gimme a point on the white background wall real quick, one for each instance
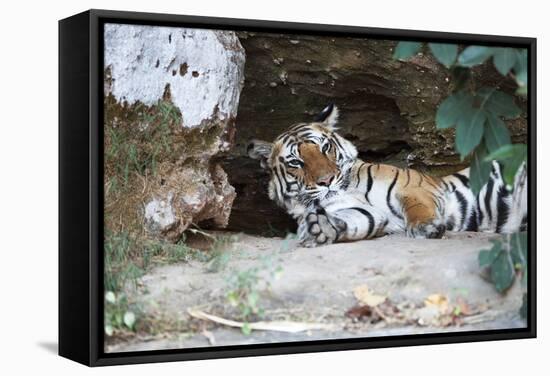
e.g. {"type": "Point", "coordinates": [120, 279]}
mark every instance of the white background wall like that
{"type": "Point", "coordinates": [28, 199]}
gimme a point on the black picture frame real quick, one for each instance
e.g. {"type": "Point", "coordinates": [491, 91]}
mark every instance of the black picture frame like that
{"type": "Point", "coordinates": [81, 188]}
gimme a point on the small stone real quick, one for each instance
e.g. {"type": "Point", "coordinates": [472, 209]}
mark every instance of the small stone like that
{"type": "Point", "coordinates": [272, 84]}
{"type": "Point", "coordinates": [283, 76]}
{"type": "Point", "coordinates": [159, 217]}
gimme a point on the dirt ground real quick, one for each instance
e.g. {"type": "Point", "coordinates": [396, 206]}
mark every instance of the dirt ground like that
{"type": "Point", "coordinates": [388, 286]}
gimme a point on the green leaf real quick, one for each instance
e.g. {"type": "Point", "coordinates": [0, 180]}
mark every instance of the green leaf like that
{"type": "Point", "coordinates": [404, 50]}
{"type": "Point", "coordinates": [484, 258]}
{"type": "Point", "coordinates": [479, 169]}
{"type": "Point", "coordinates": [444, 53]}
{"type": "Point", "coordinates": [129, 319]}
{"type": "Point", "coordinates": [499, 103]}
{"type": "Point", "coordinates": [452, 108]}
{"type": "Point", "coordinates": [118, 319]}
{"type": "Point", "coordinates": [246, 329]}
{"type": "Point", "coordinates": [504, 59]}
{"type": "Point", "coordinates": [457, 311]}
{"type": "Point", "coordinates": [512, 165]}
{"type": "Point", "coordinates": [474, 55]}
{"type": "Point", "coordinates": [253, 298]}
{"type": "Point", "coordinates": [506, 152]}
{"type": "Point", "coordinates": [488, 257]}
{"type": "Point", "coordinates": [109, 330]}
{"type": "Point", "coordinates": [520, 68]}
{"type": "Point", "coordinates": [469, 131]}
{"type": "Point", "coordinates": [518, 249]}
{"type": "Point", "coordinates": [110, 297]}
{"type": "Point", "coordinates": [512, 156]}
{"type": "Point", "coordinates": [233, 298]}
{"type": "Point", "coordinates": [496, 134]}
{"type": "Point", "coordinates": [502, 272]}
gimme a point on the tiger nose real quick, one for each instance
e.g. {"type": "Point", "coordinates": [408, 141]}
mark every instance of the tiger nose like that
{"type": "Point", "coordinates": [325, 180]}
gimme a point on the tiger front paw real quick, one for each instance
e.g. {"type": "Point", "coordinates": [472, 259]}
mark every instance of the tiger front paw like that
{"type": "Point", "coordinates": [430, 230]}
{"type": "Point", "coordinates": [316, 229]}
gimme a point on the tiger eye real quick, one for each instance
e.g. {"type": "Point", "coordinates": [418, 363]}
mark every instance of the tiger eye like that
{"type": "Point", "coordinates": [295, 163]}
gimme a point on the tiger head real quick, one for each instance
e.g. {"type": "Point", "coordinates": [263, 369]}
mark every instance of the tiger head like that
{"type": "Point", "coordinates": [308, 162]}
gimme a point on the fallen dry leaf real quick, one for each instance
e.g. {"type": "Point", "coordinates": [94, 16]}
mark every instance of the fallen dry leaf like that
{"type": "Point", "coordinates": [439, 301]}
{"type": "Point", "coordinates": [462, 308]}
{"type": "Point", "coordinates": [365, 296]}
{"type": "Point", "coordinates": [386, 311]}
{"type": "Point", "coordinates": [359, 312]}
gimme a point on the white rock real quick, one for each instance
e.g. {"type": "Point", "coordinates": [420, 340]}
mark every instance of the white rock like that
{"type": "Point", "coordinates": [159, 217]}
{"type": "Point", "coordinates": [203, 68]}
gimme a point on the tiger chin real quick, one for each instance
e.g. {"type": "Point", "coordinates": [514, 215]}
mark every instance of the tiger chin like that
{"type": "Point", "coordinates": [334, 196]}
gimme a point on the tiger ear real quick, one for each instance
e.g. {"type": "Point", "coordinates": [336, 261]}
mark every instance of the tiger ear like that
{"type": "Point", "coordinates": [261, 150]}
{"type": "Point", "coordinates": [329, 116]}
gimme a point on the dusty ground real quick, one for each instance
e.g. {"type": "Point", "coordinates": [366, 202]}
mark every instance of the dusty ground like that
{"type": "Point", "coordinates": [317, 286]}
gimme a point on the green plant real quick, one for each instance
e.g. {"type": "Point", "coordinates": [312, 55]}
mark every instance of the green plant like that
{"type": "Point", "coordinates": [506, 258]}
{"type": "Point", "coordinates": [163, 252]}
{"type": "Point", "coordinates": [118, 315]}
{"type": "Point", "coordinates": [127, 257]}
{"type": "Point", "coordinates": [119, 264]}
{"type": "Point", "coordinates": [220, 252]}
{"type": "Point", "coordinates": [477, 113]}
{"type": "Point", "coordinates": [244, 288]}
{"type": "Point", "coordinates": [137, 148]}
{"type": "Point", "coordinates": [120, 269]}
{"type": "Point", "coordinates": [125, 260]}
{"type": "Point", "coordinates": [271, 232]}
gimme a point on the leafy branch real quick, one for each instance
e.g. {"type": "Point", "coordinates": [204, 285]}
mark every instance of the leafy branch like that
{"type": "Point", "coordinates": [506, 259]}
{"type": "Point", "coordinates": [478, 115]}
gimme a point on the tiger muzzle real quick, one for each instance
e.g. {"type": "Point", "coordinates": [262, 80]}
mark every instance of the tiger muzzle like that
{"type": "Point", "coordinates": [319, 169]}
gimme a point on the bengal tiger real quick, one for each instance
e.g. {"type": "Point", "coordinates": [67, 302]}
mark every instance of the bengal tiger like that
{"type": "Point", "coordinates": [334, 196]}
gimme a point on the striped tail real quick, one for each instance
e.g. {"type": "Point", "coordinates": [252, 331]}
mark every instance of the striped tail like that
{"type": "Point", "coordinates": [503, 210]}
{"type": "Point", "coordinates": [496, 208]}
